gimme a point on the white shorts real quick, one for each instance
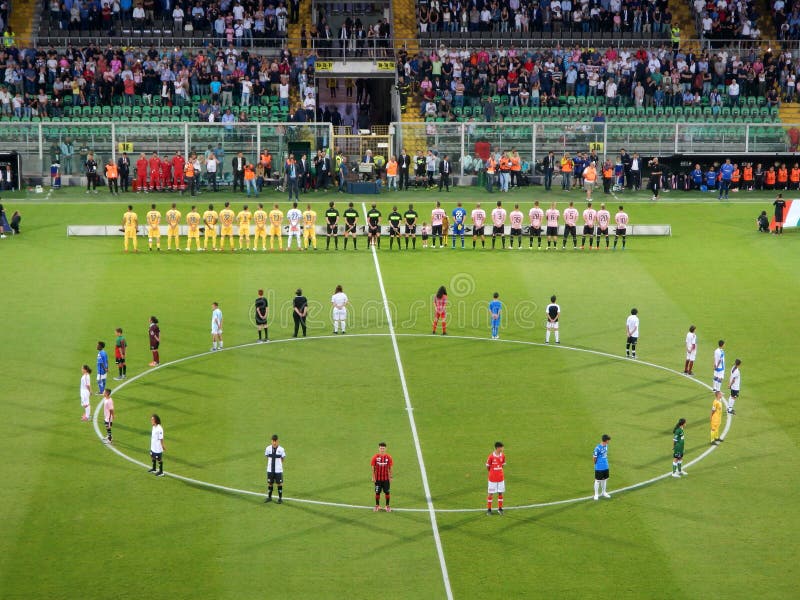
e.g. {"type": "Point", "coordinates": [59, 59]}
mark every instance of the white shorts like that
{"type": "Point", "coordinates": [497, 487]}
{"type": "Point", "coordinates": [691, 355]}
{"type": "Point", "coordinates": [339, 314]}
{"type": "Point", "coordinates": [716, 386]}
{"type": "Point", "coordinates": [101, 376]}
{"type": "Point", "coordinates": [216, 331]}
{"type": "Point", "coordinates": [85, 398]}
{"type": "Point", "coordinates": [552, 324]}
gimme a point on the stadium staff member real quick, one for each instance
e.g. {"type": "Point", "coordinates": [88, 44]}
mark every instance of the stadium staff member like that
{"type": "Point", "coordinates": [112, 175]}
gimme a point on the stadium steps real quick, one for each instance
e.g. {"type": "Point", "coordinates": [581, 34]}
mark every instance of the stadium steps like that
{"type": "Point", "coordinates": [24, 16]}
{"type": "Point", "coordinates": [789, 112]}
{"type": "Point", "coordinates": [404, 25]}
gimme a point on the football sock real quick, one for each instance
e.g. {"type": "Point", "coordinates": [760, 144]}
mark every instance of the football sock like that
{"type": "Point", "coordinates": [124, 369]}
{"type": "Point", "coordinates": [489, 502]}
{"type": "Point", "coordinates": [336, 242]}
{"type": "Point", "coordinates": [387, 496]}
{"type": "Point", "coordinates": [503, 240]}
{"type": "Point", "coordinates": [156, 356]}
{"type": "Point", "coordinates": [120, 370]}
{"type": "Point", "coordinates": [674, 467]}
{"type": "Point", "coordinates": [474, 242]}
{"type": "Point", "coordinates": [483, 243]}
{"type": "Point", "coordinates": [160, 466]}
{"type": "Point", "coordinates": [583, 241]}
{"type": "Point", "coordinates": [603, 485]}
{"type": "Point", "coordinates": [530, 245]}
{"type": "Point", "coordinates": [633, 350]}
{"type": "Point", "coordinates": [345, 243]}
{"type": "Point", "coordinates": [680, 466]}
{"type": "Point", "coordinates": [414, 242]}
{"type": "Point", "coordinates": [220, 344]}
{"type": "Point", "coordinates": [378, 499]}
{"type": "Point", "coordinates": [154, 464]}
{"type": "Point", "coordinates": [596, 487]}
{"type": "Point", "coordinates": [607, 240]}
{"type": "Point", "coordinates": [624, 239]}
{"type": "Point", "coordinates": [108, 433]}
{"type": "Point", "coordinates": [731, 402]}
{"type": "Point", "coordinates": [214, 345]}
{"type": "Point", "coordinates": [280, 491]}
{"type": "Point", "coordinates": [355, 244]}
{"type": "Point", "coordinates": [500, 501]}
{"type": "Point", "coordinates": [87, 410]}
{"type": "Point", "coordinates": [519, 241]}
{"type": "Point", "coordinates": [444, 330]}
{"type": "Point", "coordinates": [547, 336]}
{"type": "Point", "coordinates": [556, 334]}
{"type": "Point", "coordinates": [494, 239]}
{"type": "Point", "coordinates": [259, 334]}
{"type": "Point", "coordinates": [269, 491]}
{"type": "Point", "coordinates": [615, 241]}
{"type": "Point", "coordinates": [686, 367]}
{"type": "Point", "coordinates": [627, 349]}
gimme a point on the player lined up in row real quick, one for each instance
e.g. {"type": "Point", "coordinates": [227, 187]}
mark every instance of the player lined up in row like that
{"type": "Point", "coordinates": [302, 224]}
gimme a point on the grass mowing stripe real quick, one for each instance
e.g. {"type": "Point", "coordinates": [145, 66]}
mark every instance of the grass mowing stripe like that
{"type": "Point", "coordinates": [410, 410]}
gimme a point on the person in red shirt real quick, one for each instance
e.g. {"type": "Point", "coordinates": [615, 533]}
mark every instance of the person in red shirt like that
{"type": "Point", "coordinates": [155, 172]}
{"type": "Point", "coordinates": [497, 484]}
{"type": "Point", "coordinates": [141, 174]}
{"type": "Point", "coordinates": [154, 333]}
{"type": "Point", "coordinates": [178, 163]}
{"type": "Point", "coordinates": [166, 173]}
{"type": "Point", "coordinates": [440, 310]}
{"type": "Point", "coordinates": [382, 476]}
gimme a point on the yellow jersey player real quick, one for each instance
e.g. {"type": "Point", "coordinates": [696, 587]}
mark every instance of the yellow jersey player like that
{"type": "Point", "coordinates": [275, 223]}
{"type": "Point", "coordinates": [226, 217]}
{"type": "Point", "coordinates": [193, 221]}
{"type": "Point", "coordinates": [310, 227]}
{"type": "Point", "coordinates": [210, 219]}
{"type": "Point", "coordinates": [153, 228]}
{"type": "Point", "coordinates": [243, 218]}
{"type": "Point", "coordinates": [260, 217]}
{"type": "Point", "coordinates": [173, 227]}
{"type": "Point", "coordinates": [130, 223]}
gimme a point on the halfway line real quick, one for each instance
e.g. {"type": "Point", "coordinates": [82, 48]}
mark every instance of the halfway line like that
{"type": "Point", "coordinates": [410, 410]}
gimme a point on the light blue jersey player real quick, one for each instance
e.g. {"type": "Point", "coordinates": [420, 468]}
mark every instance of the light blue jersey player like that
{"type": "Point", "coordinates": [601, 473]}
{"type": "Point", "coordinates": [102, 367]}
{"type": "Point", "coordinates": [495, 307]}
{"type": "Point", "coordinates": [719, 366]}
{"type": "Point", "coordinates": [459, 216]}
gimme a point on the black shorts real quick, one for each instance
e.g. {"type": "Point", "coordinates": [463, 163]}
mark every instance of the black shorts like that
{"type": "Point", "coordinates": [156, 455]}
{"type": "Point", "coordinates": [602, 232]}
{"type": "Point", "coordinates": [734, 393]}
{"type": "Point", "coordinates": [350, 228]}
{"type": "Point", "coordinates": [411, 230]}
{"type": "Point", "coordinates": [382, 486]}
{"type": "Point", "coordinates": [424, 237]}
{"type": "Point", "coordinates": [588, 229]}
{"type": "Point", "coordinates": [632, 340]}
{"type": "Point", "coordinates": [537, 231]}
{"type": "Point", "coordinates": [498, 230]}
{"type": "Point", "coordinates": [552, 231]}
{"type": "Point", "coordinates": [570, 230]}
{"type": "Point", "coordinates": [260, 321]}
{"type": "Point", "coordinates": [154, 346]}
{"type": "Point", "coordinates": [119, 361]}
{"type": "Point", "coordinates": [621, 231]}
{"type": "Point", "coordinates": [274, 477]}
{"type": "Point", "coordinates": [601, 475]}
{"type": "Point", "coordinates": [436, 230]}
{"type": "Point", "coordinates": [478, 231]}
{"type": "Point", "coordinates": [678, 455]}
{"type": "Point", "coordinates": [516, 232]}
{"type": "Point", "coordinates": [374, 230]}
{"type": "Point", "coordinates": [332, 229]}
{"type": "Point", "coordinates": [420, 171]}
{"type": "Point", "coordinates": [394, 231]}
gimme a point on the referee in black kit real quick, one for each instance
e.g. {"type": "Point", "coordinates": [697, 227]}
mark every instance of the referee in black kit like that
{"type": "Point", "coordinates": [299, 312]}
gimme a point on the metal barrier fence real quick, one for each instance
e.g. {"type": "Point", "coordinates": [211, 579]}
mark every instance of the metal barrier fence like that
{"type": "Point", "coordinates": [42, 144]}
{"type": "Point", "coordinates": [45, 143]}
{"type": "Point", "coordinates": [533, 140]}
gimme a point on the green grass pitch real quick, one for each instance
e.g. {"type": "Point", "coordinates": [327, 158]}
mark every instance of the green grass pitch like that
{"type": "Point", "coordinates": [80, 521]}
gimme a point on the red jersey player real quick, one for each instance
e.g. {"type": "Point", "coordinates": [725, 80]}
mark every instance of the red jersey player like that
{"type": "Point", "coordinates": [382, 475]}
{"type": "Point", "coordinates": [497, 483]}
{"type": "Point", "coordinates": [440, 310]}
{"type": "Point", "coordinates": [141, 174]}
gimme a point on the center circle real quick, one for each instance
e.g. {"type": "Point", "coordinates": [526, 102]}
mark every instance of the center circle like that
{"type": "Point", "coordinates": [217, 423]}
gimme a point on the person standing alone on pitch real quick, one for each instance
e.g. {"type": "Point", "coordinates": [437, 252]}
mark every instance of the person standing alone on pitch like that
{"type": "Point", "coordinates": [157, 446]}
{"type": "Point", "coordinates": [719, 366]}
{"type": "Point", "coordinates": [677, 448]}
{"type": "Point", "coordinates": [275, 456]}
{"type": "Point", "coordinates": [108, 415]}
{"type": "Point", "coordinates": [734, 385]}
{"type": "Point", "coordinates": [382, 464]}
{"type": "Point", "coordinates": [216, 327]}
{"type": "Point", "coordinates": [339, 301]}
{"type": "Point", "coordinates": [716, 418]}
{"type": "Point", "coordinates": [553, 313]}
{"type": "Point", "coordinates": [691, 351]}
{"type": "Point", "coordinates": [440, 310]}
{"type": "Point", "coordinates": [299, 312]}
{"type": "Point", "coordinates": [86, 391]}
{"type": "Point", "coordinates": [154, 333]}
{"type": "Point", "coordinates": [102, 367]}
{"type": "Point", "coordinates": [120, 352]}
{"type": "Point", "coordinates": [497, 483]}
{"type": "Point", "coordinates": [600, 457]}
{"type": "Point", "coordinates": [495, 308]}
{"type": "Point", "coordinates": [632, 329]}
{"type": "Point", "coordinates": [261, 308]}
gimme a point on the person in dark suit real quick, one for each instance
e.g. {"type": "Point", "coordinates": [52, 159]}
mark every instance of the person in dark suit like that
{"type": "Point", "coordinates": [625, 160]}
{"type": "Point", "coordinates": [549, 167]}
{"type": "Point", "coordinates": [403, 164]}
{"type": "Point", "coordinates": [444, 173]}
{"type": "Point", "coordinates": [238, 164]}
{"type": "Point", "coordinates": [302, 173]}
{"type": "Point", "coordinates": [299, 312]}
{"type": "Point", "coordinates": [124, 168]}
{"type": "Point", "coordinates": [323, 170]}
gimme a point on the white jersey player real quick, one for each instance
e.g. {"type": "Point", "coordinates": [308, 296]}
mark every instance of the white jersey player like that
{"type": "Point", "coordinates": [734, 385]}
{"type": "Point", "coordinates": [339, 301]}
{"type": "Point", "coordinates": [691, 351]}
{"type": "Point", "coordinates": [86, 391]}
{"type": "Point", "coordinates": [632, 329]}
{"type": "Point", "coordinates": [553, 312]}
{"type": "Point", "coordinates": [294, 216]}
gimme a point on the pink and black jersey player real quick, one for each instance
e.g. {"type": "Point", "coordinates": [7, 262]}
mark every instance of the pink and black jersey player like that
{"type": "Point", "coordinates": [536, 216]}
{"type": "Point", "coordinates": [552, 216]}
{"type": "Point", "coordinates": [437, 220]}
{"type": "Point", "coordinates": [499, 224]}
{"type": "Point", "coordinates": [589, 217]}
{"type": "Point", "coordinates": [440, 310]}
{"type": "Point", "coordinates": [603, 222]}
{"type": "Point", "coordinates": [571, 225]}
{"type": "Point", "coordinates": [516, 217]}
{"type": "Point", "coordinates": [154, 333]}
{"type": "Point", "coordinates": [478, 217]}
{"type": "Point", "coordinates": [621, 220]}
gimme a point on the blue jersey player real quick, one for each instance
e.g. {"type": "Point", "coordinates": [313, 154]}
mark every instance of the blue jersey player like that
{"type": "Point", "coordinates": [459, 216]}
{"type": "Point", "coordinates": [102, 367]}
{"type": "Point", "coordinates": [495, 307]}
{"type": "Point", "coordinates": [600, 456]}
{"type": "Point", "coordinates": [725, 179]}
